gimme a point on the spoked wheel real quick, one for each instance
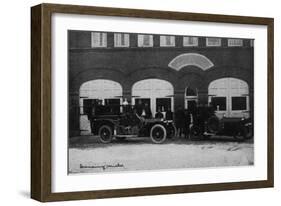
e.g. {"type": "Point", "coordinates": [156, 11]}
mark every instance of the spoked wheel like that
{"type": "Point", "coordinates": [105, 134]}
{"type": "Point", "coordinates": [172, 131]}
{"type": "Point", "coordinates": [247, 132]}
{"type": "Point", "coordinates": [195, 132]}
{"type": "Point", "coordinates": [244, 134]}
{"type": "Point", "coordinates": [158, 134]}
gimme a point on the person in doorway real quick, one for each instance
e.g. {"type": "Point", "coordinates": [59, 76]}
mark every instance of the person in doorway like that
{"type": "Point", "coordinates": [159, 114]}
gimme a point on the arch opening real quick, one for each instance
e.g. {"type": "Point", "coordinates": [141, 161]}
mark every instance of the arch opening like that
{"type": "Point", "coordinates": [230, 97]}
{"type": "Point", "coordinates": [157, 93]}
{"type": "Point", "coordinates": [99, 91]}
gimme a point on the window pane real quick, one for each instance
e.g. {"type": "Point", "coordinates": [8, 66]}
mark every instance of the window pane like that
{"type": "Point", "coordinates": [239, 103]}
{"type": "Point", "coordinates": [145, 40]}
{"type": "Point", "coordinates": [213, 42]}
{"type": "Point", "coordinates": [235, 42]}
{"type": "Point", "coordinates": [121, 40]}
{"type": "Point", "coordinates": [219, 103]}
{"type": "Point", "coordinates": [190, 41]}
{"type": "Point", "coordinates": [252, 43]}
{"type": "Point", "coordinates": [99, 39]}
{"type": "Point", "coordinates": [167, 41]}
{"type": "Point", "coordinates": [190, 92]}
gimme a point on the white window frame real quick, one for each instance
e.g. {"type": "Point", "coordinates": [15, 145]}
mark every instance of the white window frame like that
{"type": "Point", "coordinates": [252, 42]}
{"type": "Point", "coordinates": [97, 43]}
{"type": "Point", "coordinates": [141, 38]}
{"type": "Point", "coordinates": [186, 41]}
{"type": "Point", "coordinates": [235, 42]}
{"type": "Point", "coordinates": [118, 40]}
{"type": "Point", "coordinates": [163, 41]}
{"type": "Point", "coordinates": [213, 45]}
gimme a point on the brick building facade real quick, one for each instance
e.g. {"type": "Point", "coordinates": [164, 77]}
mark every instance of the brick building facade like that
{"type": "Point", "coordinates": [166, 71]}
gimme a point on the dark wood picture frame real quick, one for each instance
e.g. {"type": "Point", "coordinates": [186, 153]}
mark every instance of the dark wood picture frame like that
{"type": "Point", "coordinates": [41, 101]}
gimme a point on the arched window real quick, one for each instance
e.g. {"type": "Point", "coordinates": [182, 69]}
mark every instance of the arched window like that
{"type": "Point", "coordinates": [229, 97]}
{"type": "Point", "coordinates": [157, 93]}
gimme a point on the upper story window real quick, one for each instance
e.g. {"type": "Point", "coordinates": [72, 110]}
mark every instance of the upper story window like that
{"type": "Point", "coordinates": [252, 43]}
{"type": "Point", "coordinates": [167, 41]}
{"type": "Point", "coordinates": [145, 40]}
{"type": "Point", "coordinates": [190, 41]}
{"type": "Point", "coordinates": [98, 39]}
{"type": "Point", "coordinates": [235, 42]}
{"type": "Point", "coordinates": [121, 40]}
{"type": "Point", "coordinates": [213, 41]}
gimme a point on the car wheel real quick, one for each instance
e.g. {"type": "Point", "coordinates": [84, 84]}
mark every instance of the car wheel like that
{"type": "Point", "coordinates": [158, 134]}
{"type": "Point", "coordinates": [172, 131]}
{"type": "Point", "coordinates": [195, 132]}
{"type": "Point", "coordinates": [239, 136]}
{"type": "Point", "coordinates": [105, 134]}
{"type": "Point", "coordinates": [247, 132]}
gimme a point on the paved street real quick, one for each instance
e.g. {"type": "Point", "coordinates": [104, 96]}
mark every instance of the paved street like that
{"type": "Point", "coordinates": [87, 154]}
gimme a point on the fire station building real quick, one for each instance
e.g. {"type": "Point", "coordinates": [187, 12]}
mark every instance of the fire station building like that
{"type": "Point", "coordinates": [163, 71]}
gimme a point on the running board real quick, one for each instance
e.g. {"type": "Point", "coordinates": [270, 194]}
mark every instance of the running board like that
{"type": "Point", "coordinates": [126, 135]}
{"type": "Point", "coordinates": [207, 133]}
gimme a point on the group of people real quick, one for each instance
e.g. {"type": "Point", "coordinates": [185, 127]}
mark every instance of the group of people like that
{"type": "Point", "coordinates": [181, 117]}
{"type": "Point", "coordinates": [144, 110]}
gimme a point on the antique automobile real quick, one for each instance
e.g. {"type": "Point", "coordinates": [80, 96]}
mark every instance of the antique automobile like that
{"type": "Point", "coordinates": [108, 122]}
{"type": "Point", "coordinates": [205, 124]}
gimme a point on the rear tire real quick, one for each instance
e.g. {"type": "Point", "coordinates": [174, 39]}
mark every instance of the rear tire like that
{"type": "Point", "coordinates": [247, 132]}
{"type": "Point", "coordinates": [195, 132]}
{"type": "Point", "coordinates": [172, 131]}
{"type": "Point", "coordinates": [105, 134]}
{"type": "Point", "coordinates": [158, 134]}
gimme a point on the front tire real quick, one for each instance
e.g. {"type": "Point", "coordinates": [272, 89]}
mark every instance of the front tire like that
{"type": "Point", "coordinates": [247, 132]}
{"type": "Point", "coordinates": [195, 132]}
{"type": "Point", "coordinates": [105, 134]}
{"type": "Point", "coordinates": [158, 134]}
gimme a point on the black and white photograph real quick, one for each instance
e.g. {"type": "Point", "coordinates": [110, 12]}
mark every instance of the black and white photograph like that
{"type": "Point", "coordinates": [150, 102]}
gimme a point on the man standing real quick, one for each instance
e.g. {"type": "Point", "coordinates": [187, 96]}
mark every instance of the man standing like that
{"type": "Point", "coordinates": [187, 121]}
{"type": "Point", "coordinates": [179, 121]}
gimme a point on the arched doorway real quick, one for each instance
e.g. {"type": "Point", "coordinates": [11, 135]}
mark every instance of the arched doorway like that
{"type": "Point", "coordinates": [107, 92]}
{"type": "Point", "coordinates": [157, 93]}
{"type": "Point", "coordinates": [230, 97]}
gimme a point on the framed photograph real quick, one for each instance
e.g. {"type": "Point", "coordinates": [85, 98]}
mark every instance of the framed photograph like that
{"type": "Point", "coordinates": [130, 102]}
